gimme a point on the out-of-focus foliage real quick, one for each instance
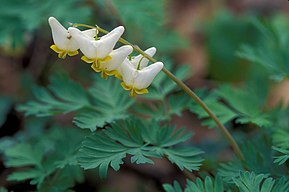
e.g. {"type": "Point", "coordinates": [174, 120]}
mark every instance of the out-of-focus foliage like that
{"type": "Point", "coordinates": [281, 145]}
{"type": "Point", "coordinates": [139, 130]}
{"type": "Point", "coordinates": [5, 106]}
{"type": "Point", "coordinates": [41, 158]}
{"type": "Point", "coordinates": [163, 93]}
{"type": "Point", "coordinates": [224, 34]}
{"type": "Point", "coordinates": [94, 108]}
{"type": "Point", "coordinates": [272, 50]}
{"type": "Point", "coordinates": [19, 18]}
{"type": "Point", "coordinates": [147, 19]}
{"type": "Point", "coordinates": [243, 105]}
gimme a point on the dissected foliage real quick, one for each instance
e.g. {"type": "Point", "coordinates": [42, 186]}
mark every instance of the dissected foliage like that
{"type": "Point", "coordinates": [139, 130]}
{"type": "Point", "coordinates": [142, 141]}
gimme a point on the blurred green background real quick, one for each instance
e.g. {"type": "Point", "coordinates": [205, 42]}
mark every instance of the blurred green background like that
{"type": "Point", "coordinates": [212, 37]}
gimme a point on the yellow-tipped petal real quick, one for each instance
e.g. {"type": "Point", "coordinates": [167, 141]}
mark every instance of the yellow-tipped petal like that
{"type": "Point", "coordinates": [55, 49]}
{"type": "Point", "coordinates": [72, 53]}
{"type": "Point", "coordinates": [111, 73]}
{"type": "Point", "coordinates": [62, 55]}
{"type": "Point", "coordinates": [118, 75]}
{"type": "Point", "coordinates": [87, 60]}
{"type": "Point", "coordinates": [104, 60]}
{"type": "Point", "coordinates": [142, 91]}
{"type": "Point", "coordinates": [95, 67]}
{"type": "Point", "coordinates": [125, 87]}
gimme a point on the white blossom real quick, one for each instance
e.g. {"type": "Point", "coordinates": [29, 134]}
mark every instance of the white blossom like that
{"type": "Point", "coordinates": [100, 52]}
{"type": "Point", "coordinates": [136, 79]}
{"type": "Point", "coordinates": [64, 42]}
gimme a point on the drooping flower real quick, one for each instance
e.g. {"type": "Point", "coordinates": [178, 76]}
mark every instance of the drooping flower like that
{"type": "Point", "coordinates": [64, 42]}
{"type": "Point", "coordinates": [140, 61]}
{"type": "Point", "coordinates": [100, 52]}
{"type": "Point", "coordinates": [137, 79]}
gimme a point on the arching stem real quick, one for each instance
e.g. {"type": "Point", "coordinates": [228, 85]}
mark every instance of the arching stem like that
{"type": "Point", "coordinates": [183, 86]}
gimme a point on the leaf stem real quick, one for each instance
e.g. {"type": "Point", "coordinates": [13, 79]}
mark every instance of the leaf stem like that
{"type": "Point", "coordinates": [182, 85]}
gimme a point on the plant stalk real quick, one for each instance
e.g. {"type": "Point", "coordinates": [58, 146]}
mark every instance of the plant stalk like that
{"type": "Point", "coordinates": [186, 89]}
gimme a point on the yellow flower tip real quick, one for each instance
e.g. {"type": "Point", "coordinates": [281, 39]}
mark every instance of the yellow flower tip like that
{"type": "Point", "coordinates": [132, 91]}
{"type": "Point", "coordinates": [55, 49]}
{"type": "Point", "coordinates": [95, 68]}
{"type": "Point", "coordinates": [142, 91]}
{"type": "Point", "coordinates": [62, 55]}
{"type": "Point", "coordinates": [87, 60]}
{"type": "Point", "coordinates": [117, 75]}
{"type": "Point", "coordinates": [104, 60]}
{"type": "Point", "coordinates": [125, 87]}
{"type": "Point", "coordinates": [72, 53]}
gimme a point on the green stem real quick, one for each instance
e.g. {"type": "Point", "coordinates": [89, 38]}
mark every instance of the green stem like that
{"type": "Point", "coordinates": [184, 87]}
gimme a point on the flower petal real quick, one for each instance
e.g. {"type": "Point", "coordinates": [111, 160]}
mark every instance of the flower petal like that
{"type": "Point", "coordinates": [107, 42]}
{"type": "Point", "coordinates": [128, 73]}
{"type": "Point", "coordinates": [86, 45]}
{"type": "Point", "coordinates": [59, 33]}
{"type": "Point", "coordinates": [90, 33]}
{"type": "Point", "coordinates": [145, 76]}
{"type": "Point", "coordinates": [143, 61]}
{"type": "Point", "coordinates": [117, 58]}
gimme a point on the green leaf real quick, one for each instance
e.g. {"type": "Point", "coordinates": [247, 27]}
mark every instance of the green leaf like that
{"type": "Point", "coordinates": [247, 182]}
{"type": "Point", "coordinates": [241, 104]}
{"type": "Point", "coordinates": [223, 113]}
{"type": "Point", "coordinates": [64, 180]}
{"type": "Point", "coordinates": [184, 157]}
{"type": "Point", "coordinates": [140, 140]}
{"type": "Point", "coordinates": [62, 96]}
{"type": "Point", "coordinates": [230, 170]}
{"type": "Point", "coordinates": [221, 45]}
{"type": "Point", "coordinates": [110, 103]}
{"type": "Point", "coordinates": [282, 157]}
{"type": "Point", "coordinates": [272, 50]}
{"type": "Point", "coordinates": [281, 185]}
{"type": "Point", "coordinates": [24, 17]}
{"type": "Point", "coordinates": [162, 86]}
{"type": "Point", "coordinates": [23, 155]}
{"type": "Point", "coordinates": [172, 188]}
{"type": "Point", "coordinates": [138, 15]}
{"type": "Point", "coordinates": [24, 175]}
{"type": "Point", "coordinates": [246, 104]}
{"type": "Point", "coordinates": [281, 145]}
{"type": "Point", "coordinates": [178, 103]}
{"type": "Point", "coordinates": [208, 185]}
{"type": "Point", "coordinates": [104, 103]}
{"type": "Point", "coordinates": [38, 158]}
{"type": "Point", "coordinates": [258, 158]}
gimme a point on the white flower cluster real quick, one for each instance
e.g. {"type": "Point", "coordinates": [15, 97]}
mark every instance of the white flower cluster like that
{"type": "Point", "coordinates": [136, 76]}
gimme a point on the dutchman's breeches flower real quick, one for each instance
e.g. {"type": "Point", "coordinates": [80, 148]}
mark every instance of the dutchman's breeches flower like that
{"type": "Point", "coordinates": [137, 80]}
{"type": "Point", "coordinates": [136, 75]}
{"type": "Point", "coordinates": [100, 52]}
{"type": "Point", "coordinates": [64, 42]}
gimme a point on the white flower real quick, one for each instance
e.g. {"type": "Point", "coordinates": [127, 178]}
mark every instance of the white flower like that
{"type": "Point", "coordinates": [100, 52]}
{"type": "Point", "coordinates": [136, 79]}
{"type": "Point", "coordinates": [64, 42]}
{"type": "Point", "coordinates": [140, 61]}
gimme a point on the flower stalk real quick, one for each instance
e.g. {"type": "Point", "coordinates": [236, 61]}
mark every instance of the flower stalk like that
{"type": "Point", "coordinates": [183, 86]}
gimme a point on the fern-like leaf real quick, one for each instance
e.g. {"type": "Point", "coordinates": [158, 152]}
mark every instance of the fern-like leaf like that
{"type": "Point", "coordinates": [140, 140]}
